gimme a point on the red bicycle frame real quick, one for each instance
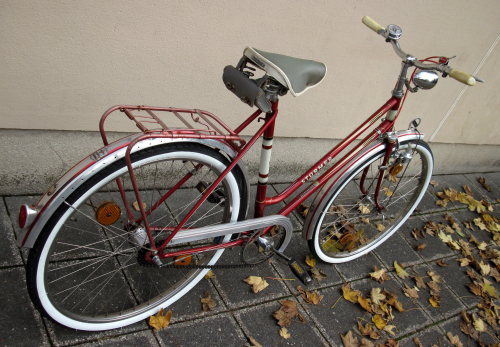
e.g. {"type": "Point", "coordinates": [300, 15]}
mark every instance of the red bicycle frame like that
{"type": "Point", "coordinates": [267, 130]}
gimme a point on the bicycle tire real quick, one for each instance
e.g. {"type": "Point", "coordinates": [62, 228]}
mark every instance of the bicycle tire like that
{"type": "Point", "coordinates": [350, 225]}
{"type": "Point", "coordinates": [113, 287]}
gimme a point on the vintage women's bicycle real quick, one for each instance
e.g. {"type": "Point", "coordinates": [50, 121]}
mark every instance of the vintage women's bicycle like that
{"type": "Point", "coordinates": [134, 226]}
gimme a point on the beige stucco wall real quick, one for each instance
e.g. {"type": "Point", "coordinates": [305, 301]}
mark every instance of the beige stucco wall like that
{"type": "Point", "coordinates": [63, 63]}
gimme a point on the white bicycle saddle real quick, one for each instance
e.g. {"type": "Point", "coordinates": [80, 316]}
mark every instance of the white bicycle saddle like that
{"type": "Point", "coordinates": [296, 74]}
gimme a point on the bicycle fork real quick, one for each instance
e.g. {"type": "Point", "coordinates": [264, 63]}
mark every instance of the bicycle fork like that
{"type": "Point", "coordinates": [391, 141]}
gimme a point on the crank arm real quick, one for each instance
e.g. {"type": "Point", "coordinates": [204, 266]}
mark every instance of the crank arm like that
{"type": "Point", "coordinates": [297, 270]}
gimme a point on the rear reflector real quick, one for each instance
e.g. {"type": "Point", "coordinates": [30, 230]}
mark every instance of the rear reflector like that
{"type": "Point", "coordinates": [26, 216]}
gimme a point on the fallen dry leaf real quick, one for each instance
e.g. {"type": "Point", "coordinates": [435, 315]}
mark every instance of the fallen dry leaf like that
{"type": "Point", "coordinates": [417, 342]}
{"type": "Point", "coordinates": [366, 343]}
{"type": "Point", "coordinates": [310, 260]}
{"type": "Point", "coordinates": [419, 281]}
{"type": "Point", "coordinates": [368, 331]}
{"type": "Point", "coordinates": [349, 340]}
{"type": "Point", "coordinates": [376, 296]}
{"type": "Point", "coordinates": [364, 303]}
{"type": "Point", "coordinates": [349, 294]}
{"type": "Point", "coordinates": [379, 227]}
{"type": "Point", "coordinates": [434, 302]}
{"type": "Point", "coordinates": [463, 261]}
{"type": "Point", "coordinates": [400, 271]}
{"type": "Point", "coordinates": [311, 297]}
{"type": "Point", "coordinates": [392, 178]}
{"type": "Point", "coordinates": [207, 302]}
{"type": "Point", "coordinates": [209, 275]}
{"type": "Point", "coordinates": [287, 311]}
{"type": "Point", "coordinates": [468, 191]}
{"type": "Point", "coordinates": [485, 268]}
{"type": "Point", "coordinates": [284, 333]}
{"type": "Point", "coordinates": [387, 191]}
{"type": "Point", "coordinates": [257, 283]}
{"type": "Point", "coordinates": [254, 343]}
{"type": "Point", "coordinates": [488, 288]}
{"type": "Point", "coordinates": [434, 183]}
{"type": "Point", "coordinates": [421, 247]}
{"type": "Point", "coordinates": [410, 292]}
{"type": "Point", "coordinates": [455, 341]}
{"type": "Point", "coordinates": [135, 204]}
{"type": "Point", "coordinates": [317, 274]}
{"type": "Point", "coordinates": [363, 209]}
{"type": "Point", "coordinates": [479, 325]}
{"type": "Point", "coordinates": [483, 183]}
{"type": "Point", "coordinates": [388, 329]}
{"type": "Point", "coordinates": [440, 262]}
{"type": "Point", "coordinates": [160, 321]}
{"type": "Point", "coordinates": [379, 275]}
{"type": "Point", "coordinates": [380, 322]}
{"type": "Point", "coordinates": [303, 210]}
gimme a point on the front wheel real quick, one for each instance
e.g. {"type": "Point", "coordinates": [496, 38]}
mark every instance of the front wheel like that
{"type": "Point", "coordinates": [350, 224]}
{"type": "Point", "coordinates": [88, 270]}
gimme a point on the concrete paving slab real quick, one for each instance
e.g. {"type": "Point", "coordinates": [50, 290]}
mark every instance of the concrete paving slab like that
{"type": "Point", "coordinates": [142, 338]}
{"type": "Point", "coordinates": [450, 304]}
{"type": "Point", "coordinates": [359, 268]}
{"type": "Point", "coordinates": [428, 337]}
{"type": "Point", "coordinates": [190, 306]}
{"type": "Point", "coordinates": [64, 336]}
{"type": "Point", "coordinates": [220, 330]}
{"type": "Point", "coordinates": [397, 248]}
{"type": "Point", "coordinates": [237, 293]}
{"type": "Point", "coordinates": [411, 319]}
{"type": "Point", "coordinates": [435, 248]}
{"type": "Point", "coordinates": [337, 320]}
{"type": "Point", "coordinates": [492, 179]}
{"type": "Point", "coordinates": [453, 326]}
{"type": "Point", "coordinates": [9, 253]}
{"type": "Point", "coordinates": [258, 322]}
{"type": "Point", "coordinates": [20, 322]}
{"type": "Point", "coordinates": [462, 216]}
{"type": "Point", "coordinates": [456, 278]}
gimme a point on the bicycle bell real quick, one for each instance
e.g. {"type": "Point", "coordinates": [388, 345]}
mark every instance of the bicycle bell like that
{"type": "Point", "coordinates": [393, 32]}
{"type": "Point", "coordinates": [425, 79]}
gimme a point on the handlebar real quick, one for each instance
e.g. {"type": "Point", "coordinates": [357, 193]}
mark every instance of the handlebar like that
{"type": "Point", "coordinates": [408, 58]}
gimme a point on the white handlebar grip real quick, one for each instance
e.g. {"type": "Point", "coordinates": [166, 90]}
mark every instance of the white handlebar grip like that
{"type": "Point", "coordinates": [463, 77]}
{"type": "Point", "coordinates": [370, 23]}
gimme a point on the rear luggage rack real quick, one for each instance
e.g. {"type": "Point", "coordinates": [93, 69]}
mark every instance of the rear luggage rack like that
{"type": "Point", "coordinates": [182, 123]}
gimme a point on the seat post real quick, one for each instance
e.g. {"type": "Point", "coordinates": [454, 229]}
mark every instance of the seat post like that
{"type": "Point", "coordinates": [265, 158]}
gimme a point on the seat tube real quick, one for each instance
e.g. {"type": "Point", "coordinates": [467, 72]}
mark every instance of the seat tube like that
{"type": "Point", "coordinates": [265, 158]}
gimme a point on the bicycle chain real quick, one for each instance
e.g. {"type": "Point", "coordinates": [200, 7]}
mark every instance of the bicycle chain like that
{"type": "Point", "coordinates": [142, 261]}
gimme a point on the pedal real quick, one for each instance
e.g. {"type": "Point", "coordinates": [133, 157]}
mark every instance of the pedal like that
{"type": "Point", "coordinates": [215, 197]}
{"type": "Point", "coordinates": [297, 270]}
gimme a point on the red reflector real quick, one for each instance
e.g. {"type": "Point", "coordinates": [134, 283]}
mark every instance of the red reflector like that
{"type": "Point", "coordinates": [23, 216]}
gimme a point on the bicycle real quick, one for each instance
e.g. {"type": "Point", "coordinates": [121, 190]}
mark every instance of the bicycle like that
{"type": "Point", "coordinates": [134, 226]}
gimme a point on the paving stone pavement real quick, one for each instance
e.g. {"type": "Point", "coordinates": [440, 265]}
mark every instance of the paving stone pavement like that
{"type": "Point", "coordinates": [241, 314]}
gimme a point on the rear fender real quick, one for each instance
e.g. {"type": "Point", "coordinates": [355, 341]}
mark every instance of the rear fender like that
{"type": "Point", "coordinates": [96, 162]}
{"type": "Point", "coordinates": [323, 195]}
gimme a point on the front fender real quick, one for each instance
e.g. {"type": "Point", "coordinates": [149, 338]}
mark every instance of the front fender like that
{"type": "Point", "coordinates": [322, 196]}
{"type": "Point", "coordinates": [94, 163]}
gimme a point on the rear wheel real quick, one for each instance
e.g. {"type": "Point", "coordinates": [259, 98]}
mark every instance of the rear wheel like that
{"type": "Point", "coordinates": [87, 269]}
{"type": "Point", "coordinates": [350, 224]}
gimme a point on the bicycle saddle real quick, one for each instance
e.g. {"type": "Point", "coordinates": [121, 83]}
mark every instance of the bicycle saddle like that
{"type": "Point", "coordinates": [296, 74]}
